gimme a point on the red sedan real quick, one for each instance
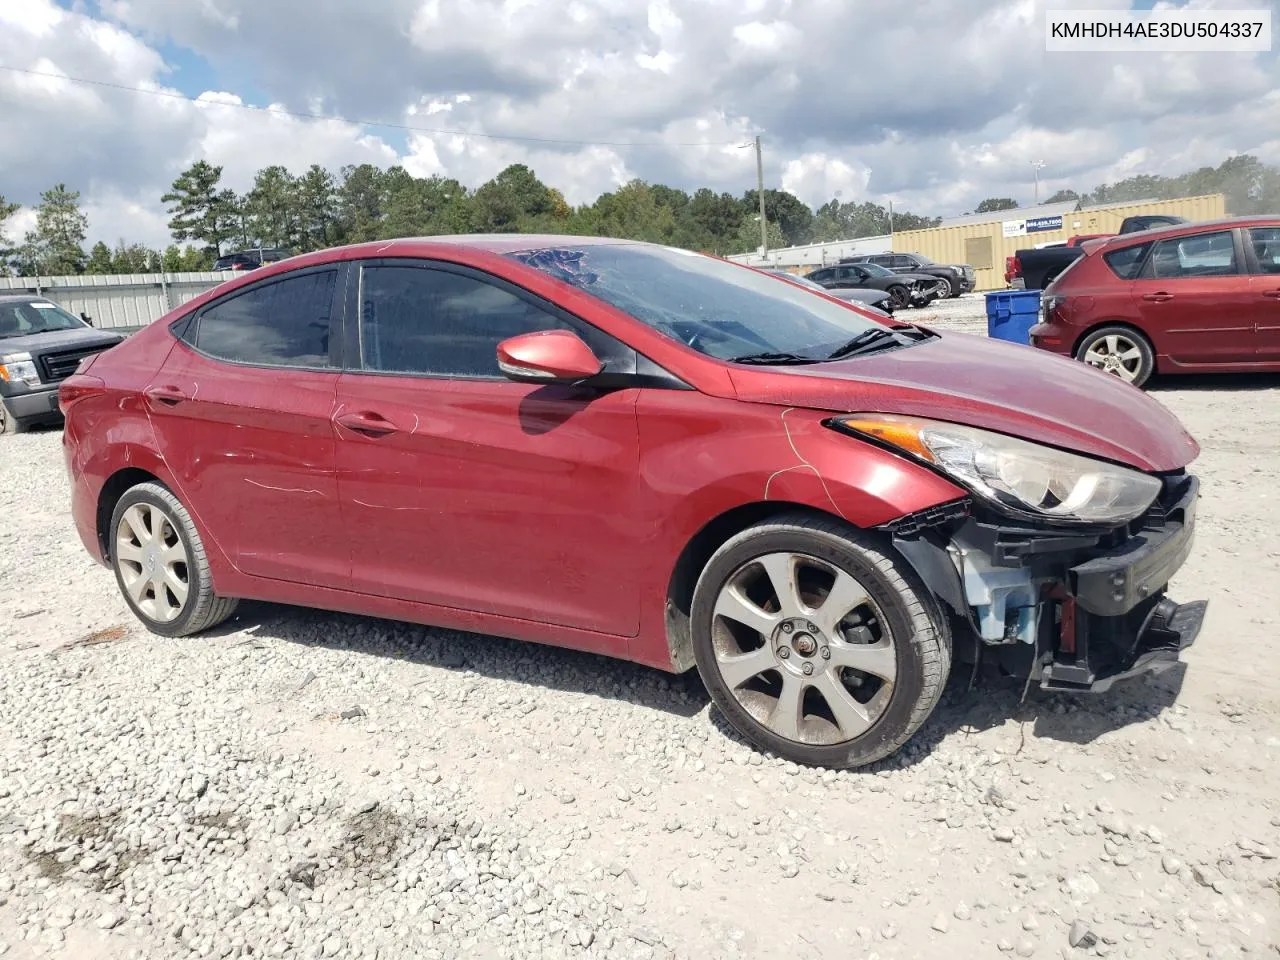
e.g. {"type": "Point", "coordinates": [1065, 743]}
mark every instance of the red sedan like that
{"type": "Point", "coordinates": [642, 452]}
{"type": "Point", "coordinates": [1194, 298]}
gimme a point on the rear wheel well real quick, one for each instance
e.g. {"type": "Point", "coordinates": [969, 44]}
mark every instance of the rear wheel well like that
{"type": "Point", "coordinates": [1093, 328]}
{"type": "Point", "coordinates": [693, 559]}
{"type": "Point", "coordinates": [115, 487]}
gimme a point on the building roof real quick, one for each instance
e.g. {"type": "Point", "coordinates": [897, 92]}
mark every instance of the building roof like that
{"type": "Point", "coordinates": [1017, 213]}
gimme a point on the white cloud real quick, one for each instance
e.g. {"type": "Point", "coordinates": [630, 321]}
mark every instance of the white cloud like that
{"type": "Point", "coordinates": [937, 108]}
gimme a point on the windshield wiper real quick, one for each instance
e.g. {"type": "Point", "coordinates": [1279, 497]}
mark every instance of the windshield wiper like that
{"type": "Point", "coordinates": [865, 342]}
{"type": "Point", "coordinates": [772, 358]}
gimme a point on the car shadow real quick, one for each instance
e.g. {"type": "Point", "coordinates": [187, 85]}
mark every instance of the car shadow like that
{"type": "Point", "coordinates": [1215, 381]}
{"type": "Point", "coordinates": [969, 705]}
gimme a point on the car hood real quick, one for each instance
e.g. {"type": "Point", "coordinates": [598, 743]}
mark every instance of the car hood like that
{"type": "Point", "coordinates": [916, 277]}
{"type": "Point", "coordinates": [992, 384]}
{"type": "Point", "coordinates": [56, 339]}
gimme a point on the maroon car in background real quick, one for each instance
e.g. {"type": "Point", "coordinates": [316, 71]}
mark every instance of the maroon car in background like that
{"type": "Point", "coordinates": [1194, 298]}
{"type": "Point", "coordinates": [641, 452]}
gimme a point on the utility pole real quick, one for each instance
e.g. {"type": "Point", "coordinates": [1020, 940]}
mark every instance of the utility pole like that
{"type": "Point", "coordinates": [764, 226]}
{"type": "Point", "coordinates": [890, 218]}
{"type": "Point", "coordinates": [1037, 166]}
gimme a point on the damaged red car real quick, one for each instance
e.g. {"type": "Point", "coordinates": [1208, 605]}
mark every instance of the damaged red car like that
{"type": "Point", "coordinates": [647, 453]}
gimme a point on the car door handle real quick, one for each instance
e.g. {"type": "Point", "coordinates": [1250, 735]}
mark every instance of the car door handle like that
{"type": "Point", "coordinates": [165, 393]}
{"type": "Point", "coordinates": [1157, 297]}
{"type": "Point", "coordinates": [366, 421]}
{"type": "Point", "coordinates": [1273, 294]}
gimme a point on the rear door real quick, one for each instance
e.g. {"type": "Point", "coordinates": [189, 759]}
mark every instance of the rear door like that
{"type": "Point", "coordinates": [1264, 290]}
{"type": "Point", "coordinates": [242, 411]}
{"type": "Point", "coordinates": [464, 489]}
{"type": "Point", "coordinates": [1193, 299]}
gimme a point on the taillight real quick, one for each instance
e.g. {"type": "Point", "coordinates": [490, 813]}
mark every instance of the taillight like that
{"type": "Point", "coordinates": [78, 387]}
{"type": "Point", "coordinates": [1012, 269]}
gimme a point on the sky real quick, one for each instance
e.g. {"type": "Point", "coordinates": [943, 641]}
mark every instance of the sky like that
{"type": "Point", "coordinates": [934, 109]}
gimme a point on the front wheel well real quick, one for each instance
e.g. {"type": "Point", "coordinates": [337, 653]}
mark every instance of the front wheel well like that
{"type": "Point", "coordinates": [116, 486]}
{"type": "Point", "coordinates": [693, 559]}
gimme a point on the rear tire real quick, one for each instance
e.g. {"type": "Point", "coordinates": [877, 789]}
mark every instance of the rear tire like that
{"type": "Point", "coordinates": [867, 650]}
{"type": "Point", "coordinates": [161, 566]}
{"type": "Point", "coordinates": [1119, 351]}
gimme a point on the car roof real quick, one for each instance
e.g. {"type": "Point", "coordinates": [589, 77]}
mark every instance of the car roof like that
{"type": "Point", "coordinates": [1181, 230]}
{"type": "Point", "coordinates": [23, 298]}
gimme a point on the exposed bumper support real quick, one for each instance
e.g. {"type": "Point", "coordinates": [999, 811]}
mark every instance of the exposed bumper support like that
{"type": "Point", "coordinates": [1168, 629]}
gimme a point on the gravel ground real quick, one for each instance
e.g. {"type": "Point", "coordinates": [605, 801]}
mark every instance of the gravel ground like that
{"type": "Point", "coordinates": [311, 785]}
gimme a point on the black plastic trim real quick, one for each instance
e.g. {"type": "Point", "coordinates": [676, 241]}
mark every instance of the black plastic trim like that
{"type": "Point", "coordinates": [1119, 579]}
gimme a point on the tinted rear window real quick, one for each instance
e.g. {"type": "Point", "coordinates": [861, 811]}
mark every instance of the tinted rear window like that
{"type": "Point", "coordinates": [1126, 263]}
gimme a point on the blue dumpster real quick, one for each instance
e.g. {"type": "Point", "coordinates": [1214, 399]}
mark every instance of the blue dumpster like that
{"type": "Point", "coordinates": [1012, 313]}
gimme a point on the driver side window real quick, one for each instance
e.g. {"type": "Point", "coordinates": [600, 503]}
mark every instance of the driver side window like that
{"type": "Point", "coordinates": [437, 322]}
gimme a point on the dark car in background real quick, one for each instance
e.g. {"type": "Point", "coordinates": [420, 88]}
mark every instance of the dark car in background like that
{"type": "Point", "coordinates": [40, 346]}
{"type": "Point", "coordinates": [1194, 298]}
{"type": "Point", "coordinates": [904, 289]}
{"type": "Point", "coordinates": [863, 296]}
{"type": "Point", "coordinates": [251, 259]}
{"type": "Point", "coordinates": [959, 276]}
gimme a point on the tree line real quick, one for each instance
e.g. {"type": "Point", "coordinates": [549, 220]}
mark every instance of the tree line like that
{"type": "Point", "coordinates": [317, 209]}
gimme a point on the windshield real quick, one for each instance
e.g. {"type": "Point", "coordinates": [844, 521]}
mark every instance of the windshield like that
{"type": "Point", "coordinates": [718, 308]}
{"type": "Point", "coordinates": [34, 316]}
{"type": "Point", "coordinates": [875, 270]}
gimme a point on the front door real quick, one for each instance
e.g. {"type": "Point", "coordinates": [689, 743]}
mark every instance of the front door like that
{"type": "Point", "coordinates": [1264, 290]}
{"type": "Point", "coordinates": [242, 412]}
{"type": "Point", "coordinates": [1194, 300]}
{"type": "Point", "coordinates": [464, 489]}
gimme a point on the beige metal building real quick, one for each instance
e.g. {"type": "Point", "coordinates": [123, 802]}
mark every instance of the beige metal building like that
{"type": "Point", "coordinates": [985, 240]}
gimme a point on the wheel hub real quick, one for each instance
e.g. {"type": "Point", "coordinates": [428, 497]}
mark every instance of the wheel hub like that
{"type": "Point", "coordinates": [798, 645]}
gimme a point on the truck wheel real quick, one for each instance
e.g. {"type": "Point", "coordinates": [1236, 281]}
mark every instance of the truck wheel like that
{"type": "Point", "coordinates": [11, 424]}
{"type": "Point", "coordinates": [1119, 351]}
{"type": "Point", "coordinates": [953, 288]}
{"type": "Point", "coordinates": [899, 296]}
{"type": "Point", "coordinates": [817, 643]}
{"type": "Point", "coordinates": [160, 564]}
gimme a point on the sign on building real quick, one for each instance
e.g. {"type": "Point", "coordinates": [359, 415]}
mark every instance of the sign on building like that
{"type": "Point", "coordinates": [1020, 228]}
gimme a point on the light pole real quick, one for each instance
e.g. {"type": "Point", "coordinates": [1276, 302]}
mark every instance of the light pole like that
{"type": "Point", "coordinates": [1037, 166]}
{"type": "Point", "coordinates": [764, 225]}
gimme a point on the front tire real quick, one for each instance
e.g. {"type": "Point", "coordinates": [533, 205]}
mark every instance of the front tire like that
{"type": "Point", "coordinates": [1119, 351]}
{"type": "Point", "coordinates": [899, 296]}
{"type": "Point", "coordinates": [953, 288]}
{"type": "Point", "coordinates": [11, 424]}
{"type": "Point", "coordinates": [161, 566]}
{"type": "Point", "coordinates": [816, 643]}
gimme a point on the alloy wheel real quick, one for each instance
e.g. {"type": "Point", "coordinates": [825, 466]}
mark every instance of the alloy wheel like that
{"type": "Point", "coordinates": [1115, 354]}
{"type": "Point", "coordinates": [803, 648]}
{"type": "Point", "coordinates": [153, 562]}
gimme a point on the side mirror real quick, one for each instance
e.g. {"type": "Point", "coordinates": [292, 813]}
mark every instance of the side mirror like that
{"type": "Point", "coordinates": [88, 320]}
{"type": "Point", "coordinates": [547, 356]}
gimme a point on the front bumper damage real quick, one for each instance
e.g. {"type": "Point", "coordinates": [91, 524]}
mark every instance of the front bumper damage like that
{"type": "Point", "coordinates": [1075, 610]}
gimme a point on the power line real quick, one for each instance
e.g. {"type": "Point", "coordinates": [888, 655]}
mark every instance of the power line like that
{"type": "Point", "coordinates": [275, 111]}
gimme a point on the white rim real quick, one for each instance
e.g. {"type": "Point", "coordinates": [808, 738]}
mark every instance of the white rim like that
{"type": "Point", "coordinates": [1117, 355]}
{"type": "Point", "coordinates": [804, 649]}
{"type": "Point", "coordinates": [152, 562]}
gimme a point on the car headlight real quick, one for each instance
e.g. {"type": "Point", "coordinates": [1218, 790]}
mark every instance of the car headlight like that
{"type": "Point", "coordinates": [1015, 475]}
{"type": "Point", "coordinates": [19, 368]}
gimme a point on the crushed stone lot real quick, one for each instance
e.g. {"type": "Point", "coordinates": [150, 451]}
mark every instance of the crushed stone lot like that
{"type": "Point", "coordinates": [305, 784]}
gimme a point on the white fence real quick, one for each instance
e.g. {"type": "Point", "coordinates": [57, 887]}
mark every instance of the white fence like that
{"type": "Point", "coordinates": [817, 254]}
{"type": "Point", "coordinates": [125, 300]}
